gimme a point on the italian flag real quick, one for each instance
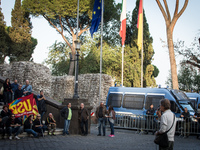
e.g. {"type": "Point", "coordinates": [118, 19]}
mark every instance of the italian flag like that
{"type": "Point", "coordinates": [140, 25]}
{"type": "Point", "coordinates": [122, 31]}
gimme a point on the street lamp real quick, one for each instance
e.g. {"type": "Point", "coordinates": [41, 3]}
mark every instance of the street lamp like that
{"type": "Point", "coordinates": [77, 47]}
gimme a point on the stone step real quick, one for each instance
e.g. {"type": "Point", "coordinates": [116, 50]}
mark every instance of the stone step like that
{"type": "Point", "coordinates": [58, 131]}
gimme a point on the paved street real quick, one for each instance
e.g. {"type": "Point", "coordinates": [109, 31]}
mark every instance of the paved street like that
{"type": "Point", "coordinates": [123, 140]}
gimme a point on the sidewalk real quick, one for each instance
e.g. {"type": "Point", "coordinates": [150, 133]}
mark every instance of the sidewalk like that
{"type": "Point", "coordinates": [123, 140]}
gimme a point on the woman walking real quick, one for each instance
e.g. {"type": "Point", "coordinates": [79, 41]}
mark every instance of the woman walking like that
{"type": "Point", "coordinates": [111, 119]}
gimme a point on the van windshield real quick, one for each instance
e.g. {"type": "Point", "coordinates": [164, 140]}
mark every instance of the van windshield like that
{"type": "Point", "coordinates": [180, 95]}
{"type": "Point", "coordinates": [188, 106]}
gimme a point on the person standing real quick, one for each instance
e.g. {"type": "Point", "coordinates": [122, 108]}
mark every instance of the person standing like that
{"type": "Point", "coordinates": [197, 116]}
{"type": "Point", "coordinates": [28, 126]}
{"type": "Point", "coordinates": [168, 120]}
{"type": "Point", "coordinates": [83, 117]}
{"type": "Point", "coordinates": [101, 116]}
{"type": "Point", "coordinates": [111, 119]}
{"type": "Point", "coordinates": [19, 92]}
{"type": "Point", "coordinates": [66, 113]}
{"type": "Point", "coordinates": [150, 119]}
{"type": "Point", "coordinates": [7, 93]}
{"type": "Point", "coordinates": [186, 116]}
{"type": "Point", "coordinates": [14, 88]}
{"type": "Point", "coordinates": [41, 104]}
{"type": "Point", "coordinates": [27, 88]}
{"type": "Point", "coordinates": [51, 124]}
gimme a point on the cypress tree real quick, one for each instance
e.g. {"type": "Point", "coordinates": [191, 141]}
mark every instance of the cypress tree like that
{"type": "Point", "coordinates": [20, 34]}
{"type": "Point", "coordinates": [148, 51]}
{"type": "Point", "coordinates": [4, 39]}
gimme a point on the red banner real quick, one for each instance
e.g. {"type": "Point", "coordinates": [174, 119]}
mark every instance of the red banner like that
{"type": "Point", "coordinates": [24, 106]}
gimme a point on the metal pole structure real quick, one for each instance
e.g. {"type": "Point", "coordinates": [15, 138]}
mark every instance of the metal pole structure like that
{"type": "Point", "coordinates": [142, 51]}
{"type": "Point", "coordinates": [77, 57]}
{"type": "Point", "coordinates": [122, 65]}
{"type": "Point", "coordinates": [101, 51]}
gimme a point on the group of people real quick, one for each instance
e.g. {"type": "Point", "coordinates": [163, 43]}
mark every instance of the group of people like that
{"type": "Point", "coordinates": [13, 91]}
{"type": "Point", "coordinates": [11, 125]}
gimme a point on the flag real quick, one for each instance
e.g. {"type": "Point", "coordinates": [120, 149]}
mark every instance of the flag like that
{"type": "Point", "coordinates": [122, 31]}
{"type": "Point", "coordinates": [24, 106]}
{"type": "Point", "coordinates": [140, 25]}
{"type": "Point", "coordinates": [96, 16]}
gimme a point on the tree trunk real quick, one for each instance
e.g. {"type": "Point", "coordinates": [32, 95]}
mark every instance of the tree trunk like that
{"type": "Point", "coordinates": [72, 63]}
{"type": "Point", "coordinates": [172, 58]}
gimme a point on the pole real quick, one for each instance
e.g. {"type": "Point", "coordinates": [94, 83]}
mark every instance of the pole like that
{"type": "Point", "coordinates": [101, 51]}
{"type": "Point", "coordinates": [122, 65]}
{"type": "Point", "coordinates": [77, 57]}
{"type": "Point", "coordinates": [142, 51]}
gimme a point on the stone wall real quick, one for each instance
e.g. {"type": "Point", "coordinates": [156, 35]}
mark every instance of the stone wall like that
{"type": "Point", "coordinates": [57, 87]}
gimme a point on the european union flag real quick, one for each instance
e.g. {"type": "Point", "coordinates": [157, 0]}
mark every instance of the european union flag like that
{"type": "Point", "coordinates": [96, 16]}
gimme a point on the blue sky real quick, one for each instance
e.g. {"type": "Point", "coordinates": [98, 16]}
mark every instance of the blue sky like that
{"type": "Point", "coordinates": [186, 28]}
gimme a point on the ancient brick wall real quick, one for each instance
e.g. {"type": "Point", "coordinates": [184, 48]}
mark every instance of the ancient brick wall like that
{"type": "Point", "coordinates": [57, 87]}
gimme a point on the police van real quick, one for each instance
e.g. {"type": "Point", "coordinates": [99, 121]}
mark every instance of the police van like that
{"type": "Point", "coordinates": [194, 99]}
{"type": "Point", "coordinates": [135, 101]}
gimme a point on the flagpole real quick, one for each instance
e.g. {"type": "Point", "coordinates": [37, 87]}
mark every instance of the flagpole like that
{"type": "Point", "coordinates": [101, 51]}
{"type": "Point", "coordinates": [122, 65]}
{"type": "Point", "coordinates": [142, 51]}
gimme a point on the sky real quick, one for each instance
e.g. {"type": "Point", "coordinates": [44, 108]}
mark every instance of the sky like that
{"type": "Point", "coordinates": [186, 29]}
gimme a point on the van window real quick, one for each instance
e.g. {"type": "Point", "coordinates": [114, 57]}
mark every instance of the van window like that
{"type": "Point", "coordinates": [133, 101]}
{"type": "Point", "coordinates": [114, 100]}
{"type": "Point", "coordinates": [153, 99]}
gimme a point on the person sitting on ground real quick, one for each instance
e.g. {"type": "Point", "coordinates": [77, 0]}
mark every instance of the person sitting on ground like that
{"type": "Point", "coordinates": [38, 125]}
{"type": "Point", "coordinates": [5, 113]}
{"type": "Point", "coordinates": [14, 88]}
{"type": "Point", "coordinates": [150, 119]}
{"type": "Point", "coordinates": [51, 124]}
{"type": "Point", "coordinates": [13, 126]}
{"type": "Point", "coordinates": [19, 92]}
{"type": "Point", "coordinates": [41, 104]}
{"type": "Point", "coordinates": [7, 93]}
{"type": "Point", "coordinates": [27, 88]}
{"type": "Point", "coordinates": [186, 116]}
{"type": "Point", "coordinates": [28, 126]}
{"type": "Point", "coordinates": [83, 118]}
{"type": "Point", "coordinates": [2, 128]}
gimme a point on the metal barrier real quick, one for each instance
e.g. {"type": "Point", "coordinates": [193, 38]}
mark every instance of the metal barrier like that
{"type": "Point", "coordinates": [149, 123]}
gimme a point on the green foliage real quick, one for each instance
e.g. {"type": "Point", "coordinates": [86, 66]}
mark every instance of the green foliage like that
{"type": "Point", "coordinates": [148, 51]}
{"type": "Point", "coordinates": [4, 39]}
{"type": "Point", "coordinates": [20, 33]}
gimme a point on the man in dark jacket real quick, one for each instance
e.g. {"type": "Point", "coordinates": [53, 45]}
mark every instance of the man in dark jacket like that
{"type": "Point", "coordinates": [13, 125]}
{"type": "Point", "coordinates": [100, 115]}
{"type": "Point", "coordinates": [38, 126]}
{"type": "Point", "coordinates": [19, 92]}
{"type": "Point", "coordinates": [186, 116]}
{"type": "Point", "coordinates": [66, 113]}
{"type": "Point", "coordinates": [41, 104]}
{"type": "Point", "coordinates": [83, 117]}
{"type": "Point", "coordinates": [2, 129]}
{"type": "Point", "coordinates": [150, 119]}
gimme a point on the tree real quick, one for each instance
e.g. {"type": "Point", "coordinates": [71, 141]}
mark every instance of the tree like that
{"type": "Point", "coordinates": [170, 23]}
{"type": "Point", "coordinates": [131, 40]}
{"type": "Point", "coordinates": [190, 54]}
{"type": "Point", "coordinates": [4, 39]}
{"type": "Point", "coordinates": [61, 15]}
{"type": "Point", "coordinates": [20, 33]}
